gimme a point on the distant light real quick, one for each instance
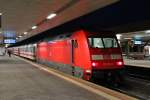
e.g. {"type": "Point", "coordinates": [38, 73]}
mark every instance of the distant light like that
{"type": "Point", "coordinates": [51, 16]}
{"type": "Point", "coordinates": [0, 14]}
{"type": "Point", "coordinates": [20, 36]}
{"type": "Point", "coordinates": [118, 36]}
{"type": "Point", "coordinates": [17, 38]}
{"type": "Point", "coordinates": [6, 45]}
{"type": "Point", "coordinates": [148, 31]}
{"type": "Point", "coordinates": [34, 27]}
{"type": "Point", "coordinates": [0, 32]}
{"type": "Point", "coordinates": [25, 33]}
{"type": "Point", "coordinates": [127, 38]}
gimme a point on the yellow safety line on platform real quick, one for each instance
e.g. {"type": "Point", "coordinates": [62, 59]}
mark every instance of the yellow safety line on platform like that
{"type": "Point", "coordinates": [91, 89]}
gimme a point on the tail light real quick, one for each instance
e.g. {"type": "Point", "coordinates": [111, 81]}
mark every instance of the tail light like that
{"type": "Point", "coordinates": [119, 63]}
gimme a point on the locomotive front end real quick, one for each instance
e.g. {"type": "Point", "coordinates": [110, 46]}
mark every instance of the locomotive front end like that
{"type": "Point", "coordinates": [106, 55]}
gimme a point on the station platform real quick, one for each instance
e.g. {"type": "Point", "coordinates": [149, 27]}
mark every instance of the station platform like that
{"type": "Point", "coordinates": [137, 63]}
{"type": "Point", "coordinates": [25, 80]}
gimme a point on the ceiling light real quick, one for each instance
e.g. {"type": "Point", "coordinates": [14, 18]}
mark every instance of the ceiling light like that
{"type": "Point", "coordinates": [16, 38]}
{"type": "Point", "coordinates": [148, 31]}
{"type": "Point", "coordinates": [34, 27]}
{"type": "Point", "coordinates": [51, 16]}
{"type": "Point", "coordinates": [0, 14]}
{"type": "Point", "coordinates": [25, 33]}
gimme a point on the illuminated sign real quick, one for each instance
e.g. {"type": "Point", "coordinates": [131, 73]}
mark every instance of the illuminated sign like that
{"type": "Point", "coordinates": [9, 41]}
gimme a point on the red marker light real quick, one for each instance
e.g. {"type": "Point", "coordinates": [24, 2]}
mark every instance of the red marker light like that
{"type": "Point", "coordinates": [119, 63]}
{"type": "Point", "coordinates": [93, 64]}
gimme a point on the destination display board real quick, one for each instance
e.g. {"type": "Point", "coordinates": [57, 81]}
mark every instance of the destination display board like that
{"type": "Point", "coordinates": [9, 41]}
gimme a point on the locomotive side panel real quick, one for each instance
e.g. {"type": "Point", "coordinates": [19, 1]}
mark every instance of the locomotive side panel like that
{"type": "Point", "coordinates": [59, 51]}
{"type": "Point", "coordinates": [81, 55]}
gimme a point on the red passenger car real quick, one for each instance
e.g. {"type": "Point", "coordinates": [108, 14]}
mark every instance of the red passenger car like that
{"type": "Point", "coordinates": [83, 54]}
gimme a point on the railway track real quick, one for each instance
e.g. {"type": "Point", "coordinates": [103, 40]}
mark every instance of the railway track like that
{"type": "Point", "coordinates": [138, 72]}
{"type": "Point", "coordinates": [136, 87]}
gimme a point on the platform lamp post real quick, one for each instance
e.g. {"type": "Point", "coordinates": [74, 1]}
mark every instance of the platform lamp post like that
{"type": "Point", "coordinates": [1, 34]}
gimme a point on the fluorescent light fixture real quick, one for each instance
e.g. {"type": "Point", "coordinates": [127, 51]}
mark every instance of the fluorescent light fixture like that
{"type": "Point", "coordinates": [148, 31]}
{"type": "Point", "coordinates": [51, 16]}
{"type": "Point", "coordinates": [34, 27]}
{"type": "Point", "coordinates": [127, 38]}
{"type": "Point", "coordinates": [25, 33]}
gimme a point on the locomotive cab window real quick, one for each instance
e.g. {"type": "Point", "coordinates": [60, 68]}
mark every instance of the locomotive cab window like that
{"type": "Point", "coordinates": [108, 42]}
{"type": "Point", "coordinates": [96, 42]}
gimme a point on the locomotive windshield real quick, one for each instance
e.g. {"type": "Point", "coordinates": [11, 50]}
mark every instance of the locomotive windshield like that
{"type": "Point", "coordinates": [108, 42]}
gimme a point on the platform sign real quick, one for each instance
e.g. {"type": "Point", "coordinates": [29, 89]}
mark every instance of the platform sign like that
{"type": "Point", "coordinates": [9, 41]}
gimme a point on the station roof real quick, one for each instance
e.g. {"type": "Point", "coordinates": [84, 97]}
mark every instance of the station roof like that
{"type": "Point", "coordinates": [20, 15]}
{"type": "Point", "coordinates": [119, 16]}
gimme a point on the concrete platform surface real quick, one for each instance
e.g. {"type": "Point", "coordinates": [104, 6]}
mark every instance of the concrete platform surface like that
{"type": "Point", "coordinates": [138, 63]}
{"type": "Point", "coordinates": [22, 81]}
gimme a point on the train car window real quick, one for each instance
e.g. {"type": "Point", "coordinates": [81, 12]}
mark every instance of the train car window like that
{"type": "Point", "coordinates": [110, 43]}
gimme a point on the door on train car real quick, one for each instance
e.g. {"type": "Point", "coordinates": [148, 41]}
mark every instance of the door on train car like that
{"type": "Point", "coordinates": [74, 45]}
{"type": "Point", "coordinates": [72, 50]}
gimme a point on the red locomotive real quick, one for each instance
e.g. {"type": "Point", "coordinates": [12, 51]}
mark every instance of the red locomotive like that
{"type": "Point", "coordinates": [82, 53]}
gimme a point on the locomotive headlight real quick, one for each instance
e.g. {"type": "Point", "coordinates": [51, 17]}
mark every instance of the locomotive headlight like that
{"type": "Point", "coordinates": [88, 71]}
